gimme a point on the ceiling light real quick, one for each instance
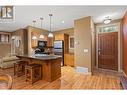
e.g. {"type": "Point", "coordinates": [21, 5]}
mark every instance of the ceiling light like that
{"type": "Point", "coordinates": [50, 34]}
{"type": "Point", "coordinates": [62, 21]}
{"type": "Point", "coordinates": [107, 20]}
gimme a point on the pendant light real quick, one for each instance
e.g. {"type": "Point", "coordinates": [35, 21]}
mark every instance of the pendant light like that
{"type": "Point", "coordinates": [34, 37]}
{"type": "Point", "coordinates": [50, 35]}
{"type": "Point", "coordinates": [41, 36]}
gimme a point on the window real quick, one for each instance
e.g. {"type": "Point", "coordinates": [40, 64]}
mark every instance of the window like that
{"type": "Point", "coordinates": [71, 42]}
{"type": "Point", "coordinates": [107, 29]}
{"type": "Point", "coordinates": [6, 12]}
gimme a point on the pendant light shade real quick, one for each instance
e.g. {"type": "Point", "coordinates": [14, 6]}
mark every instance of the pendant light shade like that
{"type": "Point", "coordinates": [41, 36]}
{"type": "Point", "coordinates": [50, 35]}
{"type": "Point", "coordinates": [34, 37]}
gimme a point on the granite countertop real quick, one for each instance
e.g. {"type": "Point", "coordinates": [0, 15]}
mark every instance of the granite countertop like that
{"type": "Point", "coordinates": [41, 57]}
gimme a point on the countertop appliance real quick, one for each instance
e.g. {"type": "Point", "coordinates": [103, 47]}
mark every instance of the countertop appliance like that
{"type": "Point", "coordinates": [59, 49]}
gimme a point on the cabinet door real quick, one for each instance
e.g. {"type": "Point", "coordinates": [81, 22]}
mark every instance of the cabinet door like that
{"type": "Point", "coordinates": [71, 56]}
{"type": "Point", "coordinates": [34, 43]}
{"type": "Point", "coordinates": [69, 59]}
{"type": "Point", "coordinates": [59, 36]}
{"type": "Point", "coordinates": [66, 59]}
{"type": "Point", "coordinates": [66, 43]}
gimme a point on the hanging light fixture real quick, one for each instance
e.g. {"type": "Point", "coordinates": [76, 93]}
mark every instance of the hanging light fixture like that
{"type": "Point", "coordinates": [107, 20]}
{"type": "Point", "coordinates": [50, 34]}
{"type": "Point", "coordinates": [34, 37]}
{"type": "Point", "coordinates": [41, 36]}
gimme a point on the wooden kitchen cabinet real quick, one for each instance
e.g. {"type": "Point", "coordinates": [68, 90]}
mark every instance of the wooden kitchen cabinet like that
{"type": "Point", "coordinates": [59, 36]}
{"type": "Point", "coordinates": [69, 59]}
{"type": "Point", "coordinates": [66, 43]}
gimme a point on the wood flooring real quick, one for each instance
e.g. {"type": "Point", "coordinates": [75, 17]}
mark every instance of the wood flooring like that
{"type": "Point", "coordinates": [70, 79]}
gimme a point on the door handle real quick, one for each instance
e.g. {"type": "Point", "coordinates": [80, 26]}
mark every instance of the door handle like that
{"type": "Point", "coordinates": [99, 51]}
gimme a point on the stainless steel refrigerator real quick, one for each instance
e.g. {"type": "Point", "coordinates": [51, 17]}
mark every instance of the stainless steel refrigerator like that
{"type": "Point", "coordinates": [59, 49]}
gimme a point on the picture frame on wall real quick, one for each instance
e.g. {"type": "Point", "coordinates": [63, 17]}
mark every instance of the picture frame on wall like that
{"type": "Point", "coordinates": [71, 42]}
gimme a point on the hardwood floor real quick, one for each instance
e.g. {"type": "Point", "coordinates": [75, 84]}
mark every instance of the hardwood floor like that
{"type": "Point", "coordinates": [69, 80]}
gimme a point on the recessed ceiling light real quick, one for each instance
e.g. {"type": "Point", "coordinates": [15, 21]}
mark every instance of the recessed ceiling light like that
{"type": "Point", "coordinates": [62, 21]}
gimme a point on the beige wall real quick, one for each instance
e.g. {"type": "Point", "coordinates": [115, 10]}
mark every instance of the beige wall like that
{"type": "Point", "coordinates": [5, 49]}
{"type": "Point", "coordinates": [82, 34]}
{"type": "Point", "coordinates": [30, 31]}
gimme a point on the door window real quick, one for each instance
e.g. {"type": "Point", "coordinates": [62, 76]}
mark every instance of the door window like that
{"type": "Point", "coordinates": [108, 29]}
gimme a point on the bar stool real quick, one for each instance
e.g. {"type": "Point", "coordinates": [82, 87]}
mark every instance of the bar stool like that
{"type": "Point", "coordinates": [19, 68]}
{"type": "Point", "coordinates": [33, 72]}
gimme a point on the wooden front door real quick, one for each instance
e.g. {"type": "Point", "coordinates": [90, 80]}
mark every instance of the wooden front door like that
{"type": "Point", "coordinates": [108, 51]}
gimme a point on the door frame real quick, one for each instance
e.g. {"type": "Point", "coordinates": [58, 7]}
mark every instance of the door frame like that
{"type": "Point", "coordinates": [119, 45]}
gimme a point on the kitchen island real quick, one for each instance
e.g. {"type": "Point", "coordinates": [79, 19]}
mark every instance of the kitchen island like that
{"type": "Point", "coordinates": [51, 65]}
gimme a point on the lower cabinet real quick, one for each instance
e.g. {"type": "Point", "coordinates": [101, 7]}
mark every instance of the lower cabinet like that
{"type": "Point", "coordinates": [69, 59]}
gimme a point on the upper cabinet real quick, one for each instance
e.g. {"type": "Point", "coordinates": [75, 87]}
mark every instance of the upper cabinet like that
{"type": "Point", "coordinates": [35, 38]}
{"type": "Point", "coordinates": [34, 41]}
{"type": "Point", "coordinates": [59, 36]}
{"type": "Point", "coordinates": [35, 35]}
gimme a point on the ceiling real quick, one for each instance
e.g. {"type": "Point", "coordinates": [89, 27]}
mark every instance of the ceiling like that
{"type": "Point", "coordinates": [24, 15]}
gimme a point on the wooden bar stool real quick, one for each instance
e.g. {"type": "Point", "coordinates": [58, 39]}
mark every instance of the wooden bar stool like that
{"type": "Point", "coordinates": [33, 72]}
{"type": "Point", "coordinates": [19, 68]}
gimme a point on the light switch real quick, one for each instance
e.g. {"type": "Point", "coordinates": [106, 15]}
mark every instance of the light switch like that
{"type": "Point", "coordinates": [85, 50]}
